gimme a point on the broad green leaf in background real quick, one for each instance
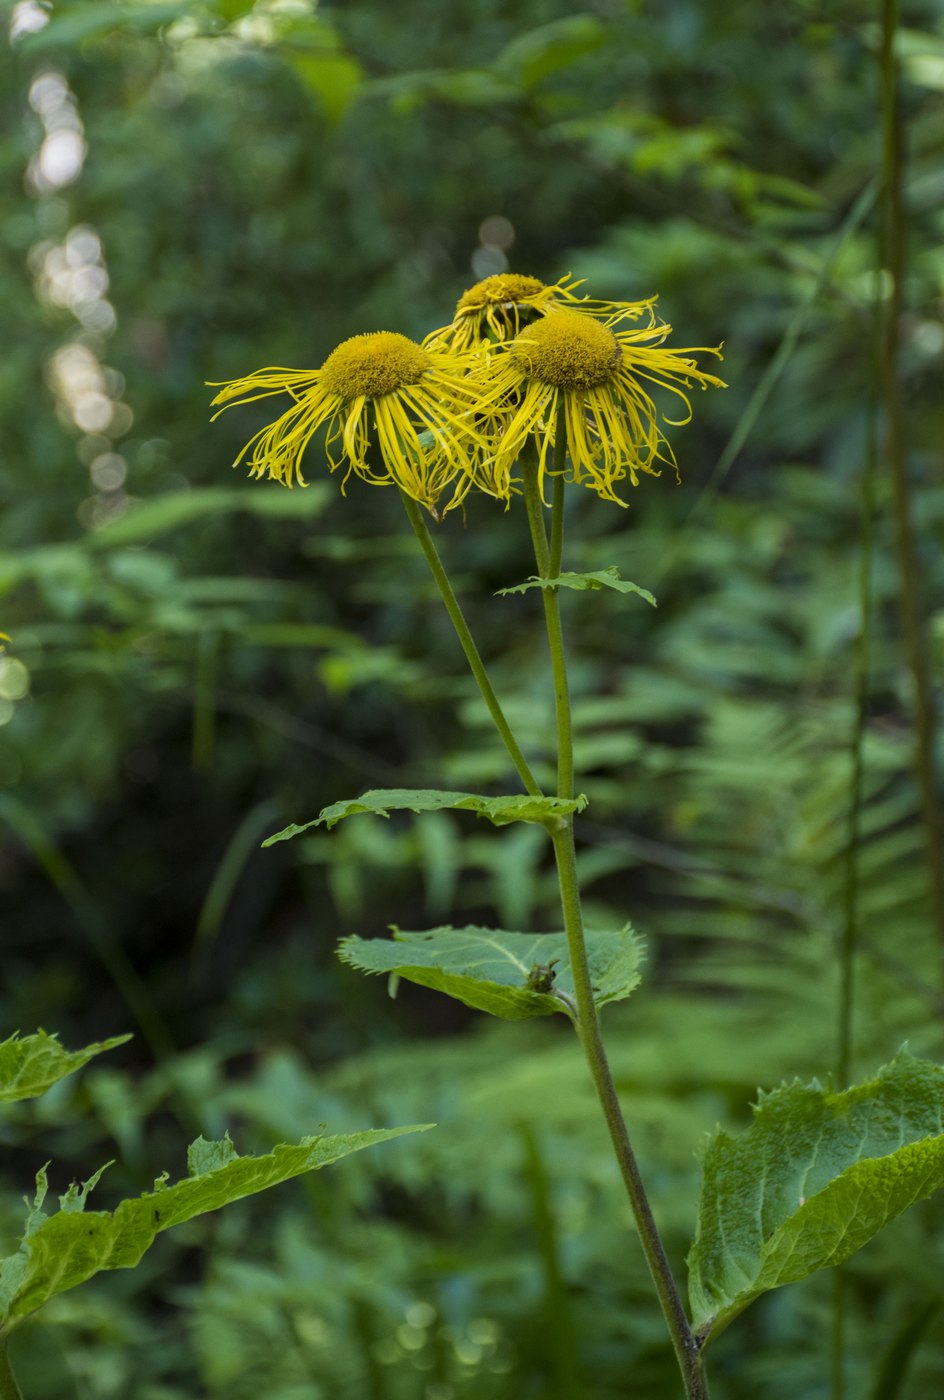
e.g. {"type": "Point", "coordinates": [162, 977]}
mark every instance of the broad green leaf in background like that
{"type": "Point", "coordinates": [542, 52]}
{"type": "Point", "coordinates": [85, 23]}
{"type": "Point", "coordinates": [478, 87]}
{"type": "Point", "coordinates": [169, 511]}
{"type": "Point", "coordinates": [312, 47]}
{"type": "Point", "coordinates": [512, 975]}
{"type": "Point", "coordinates": [382, 801]}
{"type": "Point", "coordinates": [30, 1066]}
{"type": "Point", "coordinates": [58, 1252]}
{"type": "Point", "coordinates": [813, 1179]}
{"type": "Point", "coordinates": [601, 578]}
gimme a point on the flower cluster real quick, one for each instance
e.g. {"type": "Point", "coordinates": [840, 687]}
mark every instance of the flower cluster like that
{"type": "Point", "coordinates": [523, 367]}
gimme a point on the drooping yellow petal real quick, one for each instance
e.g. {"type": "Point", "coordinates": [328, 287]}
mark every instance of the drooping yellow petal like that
{"type": "Point", "coordinates": [500, 307]}
{"type": "Point", "coordinates": [567, 363]}
{"type": "Point", "coordinates": [412, 404]}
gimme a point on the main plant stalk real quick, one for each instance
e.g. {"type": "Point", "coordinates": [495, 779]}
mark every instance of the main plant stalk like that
{"type": "Point", "coordinates": [548, 560]}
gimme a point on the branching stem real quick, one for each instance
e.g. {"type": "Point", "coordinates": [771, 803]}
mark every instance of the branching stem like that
{"type": "Point", "coordinates": [548, 556]}
{"type": "Point", "coordinates": [476, 664]}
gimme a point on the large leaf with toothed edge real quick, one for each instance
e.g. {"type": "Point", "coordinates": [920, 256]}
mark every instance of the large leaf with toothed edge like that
{"type": "Point", "coordinates": [583, 583]}
{"type": "Point", "coordinates": [31, 1065]}
{"type": "Point", "coordinates": [60, 1251]}
{"type": "Point", "coordinates": [812, 1180]}
{"type": "Point", "coordinates": [512, 975]}
{"type": "Point", "coordinates": [382, 801]}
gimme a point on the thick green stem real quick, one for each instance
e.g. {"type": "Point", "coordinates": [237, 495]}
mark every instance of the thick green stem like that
{"type": "Point", "coordinates": [912, 620]}
{"type": "Point", "coordinates": [686, 1347]}
{"type": "Point", "coordinates": [9, 1390]}
{"type": "Point", "coordinates": [476, 665]}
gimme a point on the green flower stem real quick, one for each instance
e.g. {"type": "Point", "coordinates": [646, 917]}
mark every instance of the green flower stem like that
{"type": "Point", "coordinates": [9, 1390]}
{"type": "Point", "coordinates": [557, 506]}
{"type": "Point", "coordinates": [544, 556]}
{"type": "Point", "coordinates": [686, 1347]}
{"type": "Point", "coordinates": [477, 666]}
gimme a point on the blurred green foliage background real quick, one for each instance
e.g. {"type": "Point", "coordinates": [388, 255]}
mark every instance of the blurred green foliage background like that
{"type": "Point", "coordinates": [191, 191]}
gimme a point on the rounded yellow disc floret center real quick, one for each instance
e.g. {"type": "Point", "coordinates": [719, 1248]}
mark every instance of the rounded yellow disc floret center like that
{"type": "Point", "coordinates": [369, 366]}
{"type": "Point", "coordinates": [568, 350]}
{"type": "Point", "coordinates": [504, 289]}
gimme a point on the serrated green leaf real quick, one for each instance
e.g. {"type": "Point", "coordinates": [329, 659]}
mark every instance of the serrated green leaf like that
{"type": "Point", "coordinates": [30, 1066]}
{"type": "Point", "coordinates": [382, 801]}
{"type": "Point", "coordinates": [506, 974]}
{"type": "Point", "coordinates": [601, 578]}
{"type": "Point", "coordinates": [813, 1179]}
{"type": "Point", "coordinates": [60, 1251]}
{"type": "Point", "coordinates": [204, 1155]}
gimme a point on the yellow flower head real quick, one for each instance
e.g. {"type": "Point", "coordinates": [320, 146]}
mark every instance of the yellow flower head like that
{"type": "Point", "coordinates": [500, 307]}
{"type": "Point", "coordinates": [572, 373]}
{"type": "Point", "coordinates": [412, 401]}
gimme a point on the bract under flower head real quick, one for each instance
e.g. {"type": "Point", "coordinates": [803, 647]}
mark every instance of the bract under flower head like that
{"type": "Point", "coordinates": [568, 371]}
{"type": "Point", "coordinates": [413, 403]}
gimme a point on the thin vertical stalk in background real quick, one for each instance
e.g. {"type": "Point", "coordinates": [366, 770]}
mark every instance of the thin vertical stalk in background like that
{"type": "Point", "coordinates": [563, 1356]}
{"type": "Point", "coordinates": [849, 938]}
{"type": "Point", "coordinates": [476, 664]}
{"type": "Point", "coordinates": [912, 622]}
{"type": "Point", "coordinates": [838, 1348]}
{"type": "Point", "coordinates": [9, 1390]}
{"type": "Point", "coordinates": [849, 935]}
{"type": "Point", "coordinates": [768, 381]}
{"type": "Point", "coordinates": [893, 257]}
{"type": "Point", "coordinates": [588, 1026]}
